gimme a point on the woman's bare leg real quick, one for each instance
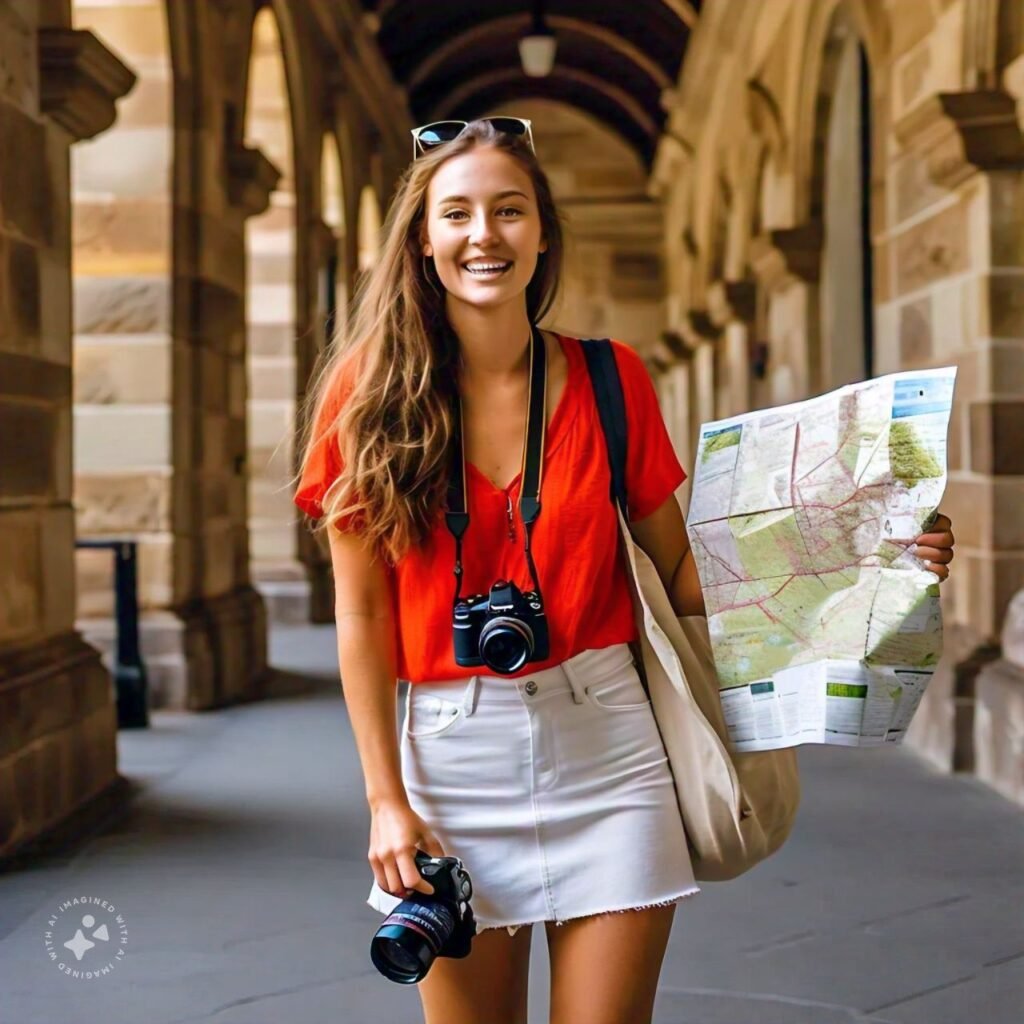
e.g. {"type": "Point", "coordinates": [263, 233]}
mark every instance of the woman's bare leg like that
{"type": "Point", "coordinates": [604, 968]}
{"type": "Point", "coordinates": [489, 986]}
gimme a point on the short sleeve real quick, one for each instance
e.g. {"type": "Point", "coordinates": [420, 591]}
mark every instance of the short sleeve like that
{"type": "Point", "coordinates": [653, 471]}
{"type": "Point", "coordinates": [322, 464]}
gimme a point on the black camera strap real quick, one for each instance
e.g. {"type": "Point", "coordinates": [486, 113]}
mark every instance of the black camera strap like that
{"type": "Point", "coordinates": [457, 511]}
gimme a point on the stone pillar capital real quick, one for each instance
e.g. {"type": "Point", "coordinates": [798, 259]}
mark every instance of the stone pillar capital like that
{"type": "Point", "coordinates": [698, 329]}
{"type": "Point", "coordinates": [80, 81]}
{"type": "Point", "coordinates": [959, 133]}
{"type": "Point", "coordinates": [732, 301]}
{"type": "Point", "coordinates": [251, 179]}
{"type": "Point", "coordinates": [781, 255]}
{"type": "Point", "coordinates": [673, 342]}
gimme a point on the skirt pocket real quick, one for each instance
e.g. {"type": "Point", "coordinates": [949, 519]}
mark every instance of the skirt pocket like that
{"type": "Point", "coordinates": [429, 716]}
{"type": "Point", "coordinates": [622, 692]}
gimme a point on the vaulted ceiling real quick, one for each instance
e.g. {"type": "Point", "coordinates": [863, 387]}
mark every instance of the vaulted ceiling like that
{"type": "Point", "coordinates": [459, 58]}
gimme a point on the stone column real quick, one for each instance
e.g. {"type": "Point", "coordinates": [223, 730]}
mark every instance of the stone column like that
{"type": "Point", "coordinates": [731, 307]}
{"type": "Point", "coordinates": [787, 264]}
{"type": "Point", "coordinates": [58, 724]}
{"type": "Point", "coordinates": [956, 295]}
{"type": "Point", "coordinates": [124, 346]}
{"type": "Point", "coordinates": [999, 713]}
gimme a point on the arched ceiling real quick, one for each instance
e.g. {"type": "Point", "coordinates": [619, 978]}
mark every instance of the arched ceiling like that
{"type": "Point", "coordinates": [460, 59]}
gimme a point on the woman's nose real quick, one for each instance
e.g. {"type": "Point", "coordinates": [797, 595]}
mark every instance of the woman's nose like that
{"type": "Point", "coordinates": [482, 232]}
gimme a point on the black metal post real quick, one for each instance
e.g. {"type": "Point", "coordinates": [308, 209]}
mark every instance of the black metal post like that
{"type": "Point", "coordinates": [129, 670]}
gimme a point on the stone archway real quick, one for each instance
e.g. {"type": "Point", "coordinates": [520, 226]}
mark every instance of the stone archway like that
{"type": "Point", "coordinates": [124, 359]}
{"type": "Point", "coordinates": [841, 198]}
{"type": "Point", "coordinates": [368, 229]}
{"type": "Point", "coordinates": [272, 306]}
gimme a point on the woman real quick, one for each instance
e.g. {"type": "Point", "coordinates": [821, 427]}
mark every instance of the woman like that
{"type": "Point", "coordinates": [549, 782]}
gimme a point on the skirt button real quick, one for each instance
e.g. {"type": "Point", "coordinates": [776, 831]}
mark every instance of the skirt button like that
{"type": "Point", "coordinates": [531, 687]}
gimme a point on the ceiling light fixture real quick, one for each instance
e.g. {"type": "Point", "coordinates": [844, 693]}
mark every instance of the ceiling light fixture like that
{"type": "Point", "coordinates": [537, 48]}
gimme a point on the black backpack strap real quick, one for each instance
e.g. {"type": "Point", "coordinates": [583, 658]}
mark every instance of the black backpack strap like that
{"type": "Point", "coordinates": [611, 407]}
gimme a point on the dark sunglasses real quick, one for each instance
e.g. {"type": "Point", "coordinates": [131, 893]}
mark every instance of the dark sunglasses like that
{"type": "Point", "coordinates": [428, 136]}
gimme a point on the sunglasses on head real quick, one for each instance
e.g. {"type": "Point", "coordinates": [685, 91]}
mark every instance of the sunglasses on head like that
{"type": "Point", "coordinates": [428, 136]}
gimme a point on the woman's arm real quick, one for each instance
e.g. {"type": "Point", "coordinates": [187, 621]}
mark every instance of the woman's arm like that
{"type": "Point", "coordinates": [367, 659]}
{"type": "Point", "coordinates": [662, 536]}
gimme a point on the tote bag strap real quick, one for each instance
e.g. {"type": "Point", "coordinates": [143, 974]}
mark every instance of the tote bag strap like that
{"type": "Point", "coordinates": [611, 407]}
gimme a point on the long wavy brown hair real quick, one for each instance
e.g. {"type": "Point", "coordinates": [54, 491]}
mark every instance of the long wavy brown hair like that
{"type": "Point", "coordinates": [396, 364]}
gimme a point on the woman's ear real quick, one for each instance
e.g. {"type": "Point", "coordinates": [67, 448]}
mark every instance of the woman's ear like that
{"type": "Point", "coordinates": [428, 249]}
{"type": "Point", "coordinates": [543, 246]}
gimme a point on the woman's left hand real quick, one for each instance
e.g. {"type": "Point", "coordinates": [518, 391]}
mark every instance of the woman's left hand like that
{"type": "Point", "coordinates": [936, 546]}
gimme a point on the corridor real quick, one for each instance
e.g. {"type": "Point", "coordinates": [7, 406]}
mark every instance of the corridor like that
{"type": "Point", "coordinates": [239, 870]}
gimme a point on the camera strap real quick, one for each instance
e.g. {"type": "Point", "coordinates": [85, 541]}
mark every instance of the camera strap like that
{"type": "Point", "coordinates": [457, 511]}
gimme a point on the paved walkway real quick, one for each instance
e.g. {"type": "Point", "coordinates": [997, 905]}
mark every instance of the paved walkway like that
{"type": "Point", "coordinates": [239, 869]}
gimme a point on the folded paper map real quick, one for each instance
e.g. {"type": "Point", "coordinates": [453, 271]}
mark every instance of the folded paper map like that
{"type": "Point", "coordinates": [824, 624]}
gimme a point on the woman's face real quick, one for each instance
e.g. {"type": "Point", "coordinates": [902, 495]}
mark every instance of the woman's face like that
{"type": "Point", "coordinates": [481, 212]}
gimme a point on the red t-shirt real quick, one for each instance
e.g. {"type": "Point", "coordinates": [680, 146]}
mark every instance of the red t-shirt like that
{"type": "Point", "coordinates": [575, 540]}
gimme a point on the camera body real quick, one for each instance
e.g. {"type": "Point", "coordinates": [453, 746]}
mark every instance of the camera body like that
{"type": "Point", "coordinates": [425, 926]}
{"type": "Point", "coordinates": [505, 629]}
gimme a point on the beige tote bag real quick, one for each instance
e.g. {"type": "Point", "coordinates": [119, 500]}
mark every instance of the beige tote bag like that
{"type": "Point", "coordinates": [736, 808]}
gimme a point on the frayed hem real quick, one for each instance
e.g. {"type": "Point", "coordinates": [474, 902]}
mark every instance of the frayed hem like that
{"type": "Point", "coordinates": [510, 928]}
{"type": "Point", "coordinates": [626, 910]}
{"type": "Point", "coordinates": [513, 928]}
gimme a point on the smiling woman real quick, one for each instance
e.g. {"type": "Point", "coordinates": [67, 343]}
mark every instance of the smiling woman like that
{"type": "Point", "coordinates": [478, 230]}
{"type": "Point", "coordinates": [545, 774]}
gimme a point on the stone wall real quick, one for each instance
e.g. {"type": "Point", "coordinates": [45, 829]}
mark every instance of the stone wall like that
{"type": "Point", "coordinates": [152, 222]}
{"type": "Point", "coordinates": [762, 253]}
{"type": "Point", "coordinates": [57, 741]}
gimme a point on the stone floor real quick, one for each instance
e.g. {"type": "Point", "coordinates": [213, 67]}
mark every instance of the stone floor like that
{"type": "Point", "coordinates": [239, 871]}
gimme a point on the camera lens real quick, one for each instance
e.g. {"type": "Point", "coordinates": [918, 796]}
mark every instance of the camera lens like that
{"type": "Point", "coordinates": [505, 644]}
{"type": "Point", "coordinates": [410, 938]}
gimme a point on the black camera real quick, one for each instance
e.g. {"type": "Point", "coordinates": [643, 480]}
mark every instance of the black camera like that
{"type": "Point", "coordinates": [426, 926]}
{"type": "Point", "coordinates": [503, 630]}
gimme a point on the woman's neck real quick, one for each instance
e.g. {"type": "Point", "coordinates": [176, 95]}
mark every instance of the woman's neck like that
{"type": "Point", "coordinates": [494, 343]}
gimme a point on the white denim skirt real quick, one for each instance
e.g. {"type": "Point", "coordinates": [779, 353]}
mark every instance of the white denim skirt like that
{"type": "Point", "coordinates": [552, 788]}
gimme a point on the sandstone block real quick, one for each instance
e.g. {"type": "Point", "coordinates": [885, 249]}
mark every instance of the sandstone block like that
{"type": "Point", "coordinates": [21, 581]}
{"type": "Point", "coordinates": [272, 303]}
{"type": "Point", "coordinates": [999, 729]}
{"type": "Point", "coordinates": [1006, 215]}
{"type": "Point", "coordinates": [122, 305]}
{"type": "Point", "coordinates": [19, 295]}
{"type": "Point", "coordinates": [1006, 369]}
{"type": "Point", "coordinates": [131, 369]}
{"type": "Point", "coordinates": [27, 467]}
{"type": "Point", "coordinates": [1006, 306]}
{"type": "Point", "coordinates": [122, 235]}
{"type": "Point", "coordinates": [130, 162]}
{"type": "Point", "coordinates": [129, 503]}
{"type": "Point", "coordinates": [933, 249]}
{"type": "Point", "coordinates": [271, 379]}
{"type": "Point", "coordinates": [270, 339]}
{"type": "Point", "coordinates": [913, 189]}
{"type": "Point", "coordinates": [116, 439]}
{"type": "Point", "coordinates": [996, 431]}
{"type": "Point", "coordinates": [916, 333]}
{"type": "Point", "coordinates": [18, 61]}
{"type": "Point", "coordinates": [27, 201]}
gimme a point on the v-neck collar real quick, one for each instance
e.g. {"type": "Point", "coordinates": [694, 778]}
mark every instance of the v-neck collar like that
{"type": "Point", "coordinates": [560, 419]}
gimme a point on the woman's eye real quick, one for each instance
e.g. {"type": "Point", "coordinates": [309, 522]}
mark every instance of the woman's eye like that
{"type": "Point", "coordinates": [459, 214]}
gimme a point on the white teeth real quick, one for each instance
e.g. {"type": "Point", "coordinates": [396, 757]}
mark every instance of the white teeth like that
{"type": "Point", "coordinates": [486, 267]}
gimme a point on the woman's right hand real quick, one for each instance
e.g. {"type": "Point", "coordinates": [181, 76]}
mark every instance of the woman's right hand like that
{"type": "Point", "coordinates": [396, 833]}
